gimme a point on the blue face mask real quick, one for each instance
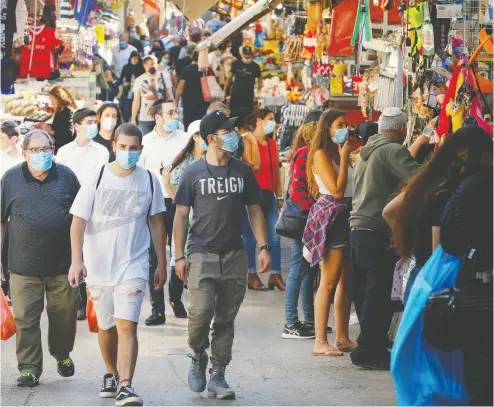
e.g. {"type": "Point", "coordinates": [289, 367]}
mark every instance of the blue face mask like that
{"type": "Point", "coordinates": [341, 135]}
{"type": "Point", "coordinates": [133, 62]}
{"type": "Point", "coordinates": [127, 159]}
{"type": "Point", "coordinates": [146, 43]}
{"type": "Point", "coordinates": [41, 161]}
{"type": "Point", "coordinates": [230, 142]}
{"type": "Point", "coordinates": [269, 127]}
{"type": "Point", "coordinates": [90, 131]}
{"type": "Point", "coordinates": [133, 36]}
{"type": "Point", "coordinates": [123, 44]}
{"type": "Point", "coordinates": [203, 145]}
{"type": "Point", "coordinates": [165, 61]}
{"type": "Point", "coordinates": [171, 125]}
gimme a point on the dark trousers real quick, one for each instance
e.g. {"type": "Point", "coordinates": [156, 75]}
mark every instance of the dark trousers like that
{"type": "Point", "coordinates": [373, 266]}
{"type": "Point", "coordinates": [5, 263]}
{"type": "Point", "coordinates": [175, 286]}
{"type": "Point", "coordinates": [83, 292]}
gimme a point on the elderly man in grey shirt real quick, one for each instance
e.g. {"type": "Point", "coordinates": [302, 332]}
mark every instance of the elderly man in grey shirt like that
{"type": "Point", "coordinates": [36, 197]}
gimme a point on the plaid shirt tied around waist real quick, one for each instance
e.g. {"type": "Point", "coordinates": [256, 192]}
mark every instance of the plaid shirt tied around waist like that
{"type": "Point", "coordinates": [321, 217]}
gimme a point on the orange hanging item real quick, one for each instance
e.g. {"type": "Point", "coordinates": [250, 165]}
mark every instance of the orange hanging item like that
{"type": "Point", "coordinates": [92, 320]}
{"type": "Point", "coordinates": [6, 319]}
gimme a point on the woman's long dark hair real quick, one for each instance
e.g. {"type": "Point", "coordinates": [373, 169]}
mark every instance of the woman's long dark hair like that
{"type": "Point", "coordinates": [101, 110]}
{"type": "Point", "coordinates": [322, 141]}
{"type": "Point", "coordinates": [458, 158]}
{"type": "Point", "coordinates": [135, 54]}
{"type": "Point", "coordinates": [187, 150]}
{"type": "Point", "coordinates": [259, 114]}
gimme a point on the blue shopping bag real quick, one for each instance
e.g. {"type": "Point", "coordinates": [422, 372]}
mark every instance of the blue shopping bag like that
{"type": "Point", "coordinates": [424, 375]}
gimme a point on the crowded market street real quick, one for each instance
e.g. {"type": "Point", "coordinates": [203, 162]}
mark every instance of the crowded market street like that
{"type": "Point", "coordinates": [267, 369]}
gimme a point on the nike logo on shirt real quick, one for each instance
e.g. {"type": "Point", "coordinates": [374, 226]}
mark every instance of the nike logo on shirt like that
{"type": "Point", "coordinates": [219, 198]}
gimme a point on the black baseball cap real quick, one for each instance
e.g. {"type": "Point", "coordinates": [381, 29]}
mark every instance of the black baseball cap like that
{"type": "Point", "coordinates": [214, 121]}
{"type": "Point", "coordinates": [313, 116]}
{"type": "Point", "coordinates": [247, 50]}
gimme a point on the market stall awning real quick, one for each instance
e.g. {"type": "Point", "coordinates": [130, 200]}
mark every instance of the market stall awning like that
{"type": "Point", "coordinates": [193, 9]}
{"type": "Point", "coordinates": [253, 13]}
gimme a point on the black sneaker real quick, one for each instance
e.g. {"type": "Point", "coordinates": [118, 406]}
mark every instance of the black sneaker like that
{"type": "Point", "coordinates": [110, 386]}
{"type": "Point", "coordinates": [297, 331]}
{"type": "Point", "coordinates": [310, 327]}
{"type": "Point", "coordinates": [27, 379]}
{"type": "Point", "coordinates": [128, 397]}
{"type": "Point", "coordinates": [65, 367]}
{"type": "Point", "coordinates": [156, 318]}
{"type": "Point", "coordinates": [178, 309]}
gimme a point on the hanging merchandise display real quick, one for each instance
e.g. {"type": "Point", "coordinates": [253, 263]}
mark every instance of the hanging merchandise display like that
{"type": "Point", "coordinates": [37, 57]}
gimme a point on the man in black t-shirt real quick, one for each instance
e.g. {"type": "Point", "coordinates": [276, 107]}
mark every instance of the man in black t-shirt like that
{"type": "Point", "coordinates": [216, 187]}
{"type": "Point", "coordinates": [245, 73]}
{"type": "Point", "coordinates": [189, 88]}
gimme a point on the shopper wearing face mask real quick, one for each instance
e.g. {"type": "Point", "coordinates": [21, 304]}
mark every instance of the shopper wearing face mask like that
{"type": "Point", "coordinates": [160, 148]}
{"type": "Point", "coordinates": [134, 39]}
{"type": "Point", "coordinates": [148, 88]}
{"type": "Point", "coordinates": [268, 178]}
{"type": "Point", "coordinates": [384, 163]}
{"type": "Point", "coordinates": [130, 73]}
{"type": "Point", "coordinates": [83, 155]}
{"type": "Point", "coordinates": [217, 188]}
{"type": "Point", "coordinates": [325, 240]}
{"type": "Point", "coordinates": [109, 119]}
{"type": "Point", "coordinates": [10, 152]}
{"type": "Point", "coordinates": [241, 82]}
{"type": "Point", "coordinates": [114, 235]}
{"type": "Point", "coordinates": [36, 197]}
{"type": "Point", "coordinates": [121, 54]}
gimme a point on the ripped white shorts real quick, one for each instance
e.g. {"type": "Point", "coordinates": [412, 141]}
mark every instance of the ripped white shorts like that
{"type": "Point", "coordinates": [122, 301]}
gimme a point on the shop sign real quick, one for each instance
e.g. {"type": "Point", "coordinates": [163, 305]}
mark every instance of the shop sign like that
{"type": "Point", "coordinates": [449, 10]}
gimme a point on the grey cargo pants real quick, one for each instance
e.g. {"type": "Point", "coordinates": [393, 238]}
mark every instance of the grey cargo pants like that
{"type": "Point", "coordinates": [217, 285]}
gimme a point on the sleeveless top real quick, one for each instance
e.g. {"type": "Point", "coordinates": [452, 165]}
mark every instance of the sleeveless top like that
{"type": "Point", "coordinates": [266, 177]}
{"type": "Point", "coordinates": [349, 183]}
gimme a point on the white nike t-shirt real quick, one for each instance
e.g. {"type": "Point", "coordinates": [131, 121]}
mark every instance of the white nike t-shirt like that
{"type": "Point", "coordinates": [117, 238]}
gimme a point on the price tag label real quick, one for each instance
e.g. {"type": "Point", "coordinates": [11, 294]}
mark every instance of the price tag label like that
{"type": "Point", "coordinates": [449, 10]}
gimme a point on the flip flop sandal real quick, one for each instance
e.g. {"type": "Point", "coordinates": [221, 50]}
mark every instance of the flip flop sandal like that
{"type": "Point", "coordinates": [344, 348]}
{"type": "Point", "coordinates": [328, 352]}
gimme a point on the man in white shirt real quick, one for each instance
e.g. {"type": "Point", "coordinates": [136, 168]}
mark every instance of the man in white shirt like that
{"type": "Point", "coordinates": [161, 147]}
{"type": "Point", "coordinates": [83, 156]}
{"type": "Point", "coordinates": [121, 54]}
{"type": "Point", "coordinates": [110, 226]}
{"type": "Point", "coordinates": [10, 153]}
{"type": "Point", "coordinates": [148, 88]}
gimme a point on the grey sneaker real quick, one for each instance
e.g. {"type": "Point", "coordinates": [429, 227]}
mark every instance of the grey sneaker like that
{"type": "Point", "coordinates": [217, 385]}
{"type": "Point", "coordinates": [197, 372]}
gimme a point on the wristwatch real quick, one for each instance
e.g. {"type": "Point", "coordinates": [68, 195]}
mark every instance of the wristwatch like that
{"type": "Point", "coordinates": [267, 247]}
{"type": "Point", "coordinates": [280, 198]}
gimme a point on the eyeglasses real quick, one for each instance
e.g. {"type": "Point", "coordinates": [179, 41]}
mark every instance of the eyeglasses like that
{"type": "Point", "coordinates": [172, 112]}
{"type": "Point", "coordinates": [37, 150]}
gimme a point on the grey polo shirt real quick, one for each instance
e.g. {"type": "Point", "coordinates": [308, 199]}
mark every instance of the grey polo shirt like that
{"type": "Point", "coordinates": [38, 218]}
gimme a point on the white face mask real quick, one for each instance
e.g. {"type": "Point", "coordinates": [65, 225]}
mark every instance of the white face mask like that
{"type": "Point", "coordinates": [108, 123]}
{"type": "Point", "coordinates": [246, 60]}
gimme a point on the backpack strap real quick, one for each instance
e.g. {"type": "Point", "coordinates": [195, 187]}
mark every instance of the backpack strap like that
{"type": "Point", "coordinates": [100, 176]}
{"type": "Point", "coordinates": [152, 191]}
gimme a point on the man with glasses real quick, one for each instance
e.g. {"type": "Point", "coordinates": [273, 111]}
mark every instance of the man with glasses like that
{"type": "Point", "coordinates": [36, 197]}
{"type": "Point", "coordinates": [161, 146]}
{"type": "Point", "coordinates": [216, 188]}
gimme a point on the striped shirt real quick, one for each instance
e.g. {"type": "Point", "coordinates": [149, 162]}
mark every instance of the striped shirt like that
{"type": "Point", "coordinates": [38, 219]}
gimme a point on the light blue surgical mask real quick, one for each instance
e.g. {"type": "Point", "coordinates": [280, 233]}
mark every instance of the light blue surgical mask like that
{"type": "Point", "coordinates": [134, 62]}
{"type": "Point", "coordinates": [41, 161]}
{"type": "Point", "coordinates": [146, 43]}
{"type": "Point", "coordinates": [133, 36]}
{"type": "Point", "coordinates": [230, 142]}
{"type": "Point", "coordinates": [171, 125]}
{"type": "Point", "coordinates": [341, 135]}
{"type": "Point", "coordinates": [165, 61]}
{"type": "Point", "coordinates": [90, 131]}
{"type": "Point", "coordinates": [123, 44]}
{"type": "Point", "coordinates": [127, 159]}
{"type": "Point", "coordinates": [203, 145]}
{"type": "Point", "coordinates": [269, 127]}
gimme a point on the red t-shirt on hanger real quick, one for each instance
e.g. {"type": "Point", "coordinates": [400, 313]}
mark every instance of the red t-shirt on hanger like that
{"type": "Point", "coordinates": [45, 43]}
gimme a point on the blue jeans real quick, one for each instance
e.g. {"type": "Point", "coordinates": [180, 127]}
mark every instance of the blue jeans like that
{"type": "Point", "coordinates": [299, 281]}
{"type": "Point", "coordinates": [274, 240]}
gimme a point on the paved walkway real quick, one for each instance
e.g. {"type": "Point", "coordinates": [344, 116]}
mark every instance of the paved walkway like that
{"type": "Point", "coordinates": [266, 370]}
